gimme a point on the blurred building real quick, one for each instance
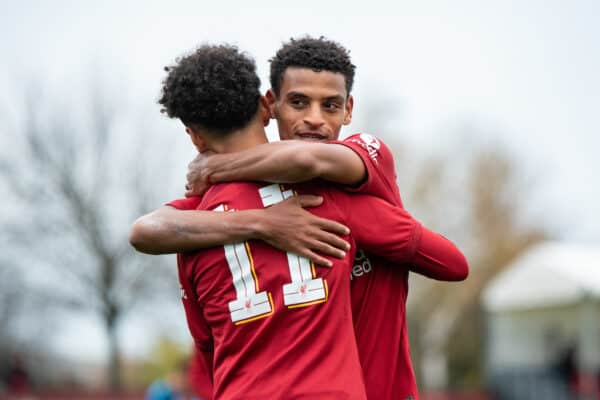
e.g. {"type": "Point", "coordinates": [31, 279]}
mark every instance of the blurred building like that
{"type": "Point", "coordinates": [543, 324]}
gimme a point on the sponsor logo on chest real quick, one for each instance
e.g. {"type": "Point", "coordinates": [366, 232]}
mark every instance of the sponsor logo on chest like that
{"type": "Point", "coordinates": [362, 265]}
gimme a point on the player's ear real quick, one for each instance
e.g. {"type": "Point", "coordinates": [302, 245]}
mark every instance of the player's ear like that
{"type": "Point", "coordinates": [348, 109]}
{"type": "Point", "coordinates": [265, 112]}
{"type": "Point", "coordinates": [271, 100]}
{"type": "Point", "coordinates": [197, 140]}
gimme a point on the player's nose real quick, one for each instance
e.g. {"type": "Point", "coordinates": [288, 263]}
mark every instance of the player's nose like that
{"type": "Point", "coordinates": [314, 117]}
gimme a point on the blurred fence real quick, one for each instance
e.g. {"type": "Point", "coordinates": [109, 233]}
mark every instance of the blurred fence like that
{"type": "Point", "coordinates": [518, 384]}
{"type": "Point", "coordinates": [542, 383]}
{"type": "Point", "coordinates": [76, 394]}
{"type": "Point", "coordinates": [456, 396]}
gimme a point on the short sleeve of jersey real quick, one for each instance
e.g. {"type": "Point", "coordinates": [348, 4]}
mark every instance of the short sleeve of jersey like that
{"type": "Point", "coordinates": [187, 203]}
{"type": "Point", "coordinates": [379, 162]}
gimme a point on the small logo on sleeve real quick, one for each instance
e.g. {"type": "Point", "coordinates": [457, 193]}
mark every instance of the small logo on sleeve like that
{"type": "Point", "coordinates": [369, 143]}
{"type": "Point", "coordinates": [182, 291]}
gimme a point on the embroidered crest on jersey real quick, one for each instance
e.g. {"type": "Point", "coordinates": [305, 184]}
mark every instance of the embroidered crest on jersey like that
{"type": "Point", "coordinates": [369, 143]}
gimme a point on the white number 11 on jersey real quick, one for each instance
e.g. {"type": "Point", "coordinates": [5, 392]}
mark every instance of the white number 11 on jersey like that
{"type": "Point", "coordinates": [250, 304]}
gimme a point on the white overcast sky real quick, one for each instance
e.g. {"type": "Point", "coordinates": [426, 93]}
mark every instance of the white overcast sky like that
{"type": "Point", "coordinates": [527, 70]}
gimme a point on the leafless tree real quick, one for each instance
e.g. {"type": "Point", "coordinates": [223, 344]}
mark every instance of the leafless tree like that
{"type": "Point", "coordinates": [12, 306]}
{"type": "Point", "coordinates": [476, 195]}
{"type": "Point", "coordinates": [77, 175]}
{"type": "Point", "coordinates": [472, 191]}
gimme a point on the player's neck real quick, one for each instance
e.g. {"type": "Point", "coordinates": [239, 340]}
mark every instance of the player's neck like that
{"type": "Point", "coordinates": [249, 136]}
{"type": "Point", "coordinates": [243, 141]}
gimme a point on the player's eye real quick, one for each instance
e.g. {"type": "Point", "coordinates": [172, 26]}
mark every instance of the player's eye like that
{"type": "Point", "coordinates": [331, 106]}
{"type": "Point", "coordinates": [298, 102]}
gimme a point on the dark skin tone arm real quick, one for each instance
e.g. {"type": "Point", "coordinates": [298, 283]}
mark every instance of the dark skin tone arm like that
{"type": "Point", "coordinates": [292, 161]}
{"type": "Point", "coordinates": [286, 226]}
{"type": "Point", "coordinates": [288, 161]}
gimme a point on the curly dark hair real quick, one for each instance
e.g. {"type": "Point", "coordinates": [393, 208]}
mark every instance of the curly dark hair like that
{"type": "Point", "coordinates": [317, 54]}
{"type": "Point", "coordinates": [215, 87]}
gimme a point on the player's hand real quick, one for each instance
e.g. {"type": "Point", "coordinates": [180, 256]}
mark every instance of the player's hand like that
{"type": "Point", "coordinates": [197, 175]}
{"type": "Point", "coordinates": [289, 227]}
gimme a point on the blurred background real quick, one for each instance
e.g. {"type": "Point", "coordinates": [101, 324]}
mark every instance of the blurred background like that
{"type": "Point", "coordinates": [491, 110]}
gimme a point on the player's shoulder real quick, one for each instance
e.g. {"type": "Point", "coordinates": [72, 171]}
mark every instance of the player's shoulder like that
{"type": "Point", "coordinates": [334, 197]}
{"type": "Point", "coordinates": [365, 139]}
{"type": "Point", "coordinates": [237, 195]}
{"type": "Point", "coordinates": [370, 144]}
{"type": "Point", "coordinates": [317, 187]}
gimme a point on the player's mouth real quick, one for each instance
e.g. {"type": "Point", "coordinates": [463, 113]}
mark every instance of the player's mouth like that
{"type": "Point", "coordinates": [314, 136]}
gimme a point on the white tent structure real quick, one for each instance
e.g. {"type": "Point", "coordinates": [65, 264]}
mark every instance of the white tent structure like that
{"type": "Point", "coordinates": [544, 301]}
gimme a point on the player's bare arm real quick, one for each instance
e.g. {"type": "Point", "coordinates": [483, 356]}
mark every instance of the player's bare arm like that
{"type": "Point", "coordinates": [286, 226]}
{"type": "Point", "coordinates": [286, 161]}
{"type": "Point", "coordinates": [294, 161]}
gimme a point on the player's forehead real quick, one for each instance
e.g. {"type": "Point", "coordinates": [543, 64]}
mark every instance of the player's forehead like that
{"type": "Point", "coordinates": [312, 84]}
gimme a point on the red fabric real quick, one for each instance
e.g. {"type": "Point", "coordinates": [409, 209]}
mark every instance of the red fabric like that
{"type": "Point", "coordinates": [305, 352]}
{"type": "Point", "coordinates": [200, 374]}
{"type": "Point", "coordinates": [380, 288]}
{"type": "Point", "coordinates": [200, 371]}
{"type": "Point", "coordinates": [438, 258]}
{"type": "Point", "coordinates": [379, 162]}
{"type": "Point", "coordinates": [187, 203]}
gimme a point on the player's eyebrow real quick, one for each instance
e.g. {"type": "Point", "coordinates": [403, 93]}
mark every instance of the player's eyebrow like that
{"type": "Point", "coordinates": [336, 98]}
{"type": "Point", "coordinates": [296, 94]}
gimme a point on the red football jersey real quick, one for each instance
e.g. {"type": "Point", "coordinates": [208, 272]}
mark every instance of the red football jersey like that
{"type": "Point", "coordinates": [199, 373]}
{"type": "Point", "coordinates": [281, 327]}
{"type": "Point", "coordinates": [200, 369]}
{"type": "Point", "coordinates": [380, 287]}
{"type": "Point", "coordinates": [186, 203]}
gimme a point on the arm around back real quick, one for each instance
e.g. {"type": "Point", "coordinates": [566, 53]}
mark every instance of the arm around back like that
{"type": "Point", "coordinates": [287, 161]}
{"type": "Point", "coordinates": [381, 228]}
{"type": "Point", "coordinates": [392, 233]}
{"type": "Point", "coordinates": [168, 230]}
{"type": "Point", "coordinates": [438, 258]}
{"type": "Point", "coordinates": [286, 226]}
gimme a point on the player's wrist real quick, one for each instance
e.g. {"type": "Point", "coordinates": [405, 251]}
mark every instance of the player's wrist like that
{"type": "Point", "coordinates": [253, 225]}
{"type": "Point", "coordinates": [209, 169]}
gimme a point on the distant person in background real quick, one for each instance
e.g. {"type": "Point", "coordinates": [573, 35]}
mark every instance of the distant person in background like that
{"type": "Point", "coordinates": [171, 387]}
{"type": "Point", "coordinates": [17, 377]}
{"type": "Point", "coordinates": [567, 365]}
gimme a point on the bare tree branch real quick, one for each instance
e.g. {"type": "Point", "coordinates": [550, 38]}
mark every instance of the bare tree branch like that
{"type": "Point", "coordinates": [486, 218]}
{"type": "Point", "coordinates": [64, 179]}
